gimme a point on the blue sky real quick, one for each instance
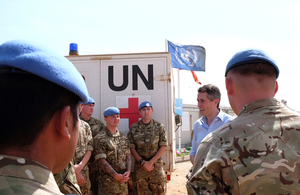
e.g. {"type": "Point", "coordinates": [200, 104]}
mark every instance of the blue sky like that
{"type": "Point", "coordinates": [222, 27]}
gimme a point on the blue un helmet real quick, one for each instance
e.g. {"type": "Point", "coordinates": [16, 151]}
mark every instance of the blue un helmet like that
{"type": "Point", "coordinates": [19, 55]}
{"type": "Point", "coordinates": [145, 104]}
{"type": "Point", "coordinates": [250, 56]}
{"type": "Point", "coordinates": [90, 101]}
{"type": "Point", "coordinates": [111, 111]}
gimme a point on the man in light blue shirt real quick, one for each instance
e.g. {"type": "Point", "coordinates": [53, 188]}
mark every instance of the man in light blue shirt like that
{"type": "Point", "coordinates": [208, 98]}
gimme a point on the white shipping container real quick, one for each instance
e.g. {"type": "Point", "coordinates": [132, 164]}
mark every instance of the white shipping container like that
{"type": "Point", "coordinates": [126, 80]}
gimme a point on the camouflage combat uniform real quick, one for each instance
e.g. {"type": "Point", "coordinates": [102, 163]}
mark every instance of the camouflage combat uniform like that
{"type": "Point", "coordinates": [257, 153]}
{"type": "Point", "coordinates": [84, 144]}
{"type": "Point", "coordinates": [66, 180]}
{"type": "Point", "coordinates": [146, 140]}
{"type": "Point", "coordinates": [113, 148]}
{"type": "Point", "coordinates": [24, 176]}
{"type": "Point", "coordinates": [96, 126]}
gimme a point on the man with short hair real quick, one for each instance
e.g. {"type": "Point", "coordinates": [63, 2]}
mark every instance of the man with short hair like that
{"type": "Point", "coordinates": [112, 155]}
{"type": "Point", "coordinates": [258, 152]}
{"type": "Point", "coordinates": [148, 142]}
{"type": "Point", "coordinates": [212, 117]}
{"type": "Point", "coordinates": [96, 126]}
{"type": "Point", "coordinates": [86, 115]}
{"type": "Point", "coordinates": [40, 91]}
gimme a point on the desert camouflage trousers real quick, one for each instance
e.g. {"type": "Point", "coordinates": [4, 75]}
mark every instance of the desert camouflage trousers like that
{"type": "Point", "coordinates": [154, 180]}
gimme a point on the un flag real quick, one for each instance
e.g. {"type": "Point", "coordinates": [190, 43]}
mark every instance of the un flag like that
{"type": "Point", "coordinates": [187, 57]}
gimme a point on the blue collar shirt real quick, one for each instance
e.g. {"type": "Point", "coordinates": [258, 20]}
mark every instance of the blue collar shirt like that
{"type": "Point", "coordinates": [201, 128]}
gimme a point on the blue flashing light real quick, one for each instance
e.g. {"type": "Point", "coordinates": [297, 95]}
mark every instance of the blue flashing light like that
{"type": "Point", "coordinates": [73, 47]}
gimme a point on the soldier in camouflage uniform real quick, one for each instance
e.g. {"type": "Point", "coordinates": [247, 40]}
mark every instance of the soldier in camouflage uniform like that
{"type": "Point", "coordinates": [112, 155]}
{"type": "Point", "coordinates": [66, 180]}
{"type": "Point", "coordinates": [82, 155]}
{"type": "Point", "coordinates": [258, 152]}
{"type": "Point", "coordinates": [40, 91]}
{"type": "Point", "coordinates": [96, 126]}
{"type": "Point", "coordinates": [86, 115]}
{"type": "Point", "coordinates": [148, 142]}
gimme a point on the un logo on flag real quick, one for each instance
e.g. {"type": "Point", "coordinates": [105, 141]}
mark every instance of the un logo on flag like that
{"type": "Point", "coordinates": [186, 57]}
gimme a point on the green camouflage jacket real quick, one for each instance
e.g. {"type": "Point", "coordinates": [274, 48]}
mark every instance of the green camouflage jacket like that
{"type": "Point", "coordinates": [147, 139]}
{"type": "Point", "coordinates": [24, 176]}
{"type": "Point", "coordinates": [112, 147]}
{"type": "Point", "coordinates": [84, 143]}
{"type": "Point", "coordinates": [256, 153]}
{"type": "Point", "coordinates": [95, 124]}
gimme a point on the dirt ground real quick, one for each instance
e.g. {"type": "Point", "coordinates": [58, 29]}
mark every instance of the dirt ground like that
{"type": "Point", "coordinates": [178, 179]}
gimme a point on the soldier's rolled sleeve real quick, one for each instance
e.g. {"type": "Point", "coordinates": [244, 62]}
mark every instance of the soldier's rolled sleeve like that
{"type": "Point", "coordinates": [90, 147]}
{"type": "Point", "coordinates": [162, 136]}
{"type": "Point", "coordinates": [99, 148]}
{"type": "Point", "coordinates": [99, 156]}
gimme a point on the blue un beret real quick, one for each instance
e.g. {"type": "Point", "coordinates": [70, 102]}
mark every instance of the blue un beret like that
{"type": "Point", "coordinates": [145, 104]}
{"type": "Point", "coordinates": [250, 56]}
{"type": "Point", "coordinates": [91, 101]}
{"type": "Point", "coordinates": [43, 62]}
{"type": "Point", "coordinates": [111, 111]}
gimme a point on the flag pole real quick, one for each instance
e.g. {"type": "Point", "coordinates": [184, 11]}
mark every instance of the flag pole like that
{"type": "Point", "coordinates": [179, 132]}
{"type": "Point", "coordinates": [166, 45]}
{"type": "Point", "coordinates": [178, 86]}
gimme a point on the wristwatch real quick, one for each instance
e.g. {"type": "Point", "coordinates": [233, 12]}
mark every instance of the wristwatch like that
{"type": "Point", "coordinates": [141, 161]}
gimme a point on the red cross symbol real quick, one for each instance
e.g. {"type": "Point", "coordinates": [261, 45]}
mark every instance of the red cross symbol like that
{"type": "Point", "coordinates": [132, 112]}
